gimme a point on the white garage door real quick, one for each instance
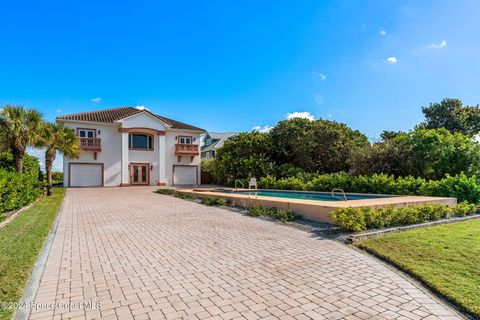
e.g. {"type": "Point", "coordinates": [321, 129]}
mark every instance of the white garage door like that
{"type": "Point", "coordinates": [86, 175]}
{"type": "Point", "coordinates": [184, 175]}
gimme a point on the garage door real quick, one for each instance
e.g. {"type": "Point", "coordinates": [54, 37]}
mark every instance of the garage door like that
{"type": "Point", "coordinates": [86, 175]}
{"type": "Point", "coordinates": [184, 175]}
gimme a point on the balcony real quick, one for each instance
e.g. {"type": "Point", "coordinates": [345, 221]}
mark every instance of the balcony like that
{"type": "Point", "coordinates": [182, 149]}
{"type": "Point", "coordinates": [90, 144]}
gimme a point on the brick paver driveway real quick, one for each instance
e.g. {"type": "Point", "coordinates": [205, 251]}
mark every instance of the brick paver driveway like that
{"type": "Point", "coordinates": [148, 256]}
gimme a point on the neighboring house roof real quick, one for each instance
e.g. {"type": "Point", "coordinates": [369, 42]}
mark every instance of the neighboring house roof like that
{"type": "Point", "coordinates": [221, 137]}
{"type": "Point", "coordinates": [115, 114]}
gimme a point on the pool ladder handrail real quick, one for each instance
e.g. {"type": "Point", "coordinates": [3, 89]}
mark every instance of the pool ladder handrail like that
{"type": "Point", "coordinates": [243, 186]}
{"type": "Point", "coordinates": [343, 192]}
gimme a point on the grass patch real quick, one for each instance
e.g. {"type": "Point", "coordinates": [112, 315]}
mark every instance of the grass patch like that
{"type": "Point", "coordinates": [20, 244]}
{"type": "Point", "coordinates": [446, 258]}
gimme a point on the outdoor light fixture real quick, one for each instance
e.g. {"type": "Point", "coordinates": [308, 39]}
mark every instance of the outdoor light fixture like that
{"type": "Point", "coordinates": [151, 167]}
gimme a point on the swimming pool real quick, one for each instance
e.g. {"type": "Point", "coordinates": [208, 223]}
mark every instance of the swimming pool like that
{"type": "Point", "coordinates": [303, 195]}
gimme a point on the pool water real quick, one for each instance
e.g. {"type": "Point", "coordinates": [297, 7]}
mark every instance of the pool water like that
{"type": "Point", "coordinates": [319, 196]}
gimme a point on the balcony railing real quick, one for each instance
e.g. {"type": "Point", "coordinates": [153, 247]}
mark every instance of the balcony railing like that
{"type": "Point", "coordinates": [90, 144]}
{"type": "Point", "coordinates": [182, 149]}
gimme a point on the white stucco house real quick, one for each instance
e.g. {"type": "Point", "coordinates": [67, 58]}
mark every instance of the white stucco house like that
{"type": "Point", "coordinates": [132, 146]}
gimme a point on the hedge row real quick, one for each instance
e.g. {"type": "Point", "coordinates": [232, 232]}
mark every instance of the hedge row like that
{"type": "Point", "coordinates": [17, 190]}
{"type": "Point", "coordinates": [460, 186]}
{"type": "Point", "coordinates": [360, 219]}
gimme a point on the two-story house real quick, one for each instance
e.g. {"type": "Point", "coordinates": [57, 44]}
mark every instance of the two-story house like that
{"type": "Point", "coordinates": [214, 141]}
{"type": "Point", "coordinates": [132, 146]}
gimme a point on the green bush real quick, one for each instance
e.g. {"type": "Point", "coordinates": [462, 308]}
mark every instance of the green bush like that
{"type": "Point", "coordinates": [464, 209]}
{"type": "Point", "coordinates": [280, 214]}
{"type": "Point", "coordinates": [363, 218]}
{"type": "Point", "coordinates": [17, 190]}
{"type": "Point", "coordinates": [214, 202]}
{"type": "Point", "coordinates": [31, 165]}
{"type": "Point", "coordinates": [167, 192]}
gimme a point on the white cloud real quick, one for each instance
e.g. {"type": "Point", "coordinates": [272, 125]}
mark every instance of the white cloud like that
{"type": "Point", "coordinates": [302, 114]}
{"type": "Point", "coordinates": [142, 108]}
{"type": "Point", "coordinates": [383, 32]}
{"type": "Point", "coordinates": [58, 111]}
{"type": "Point", "coordinates": [321, 76]}
{"type": "Point", "coordinates": [96, 100]}
{"type": "Point", "coordinates": [391, 60]}
{"type": "Point", "coordinates": [262, 129]}
{"type": "Point", "coordinates": [329, 115]}
{"type": "Point", "coordinates": [442, 44]}
{"type": "Point", "coordinates": [318, 98]}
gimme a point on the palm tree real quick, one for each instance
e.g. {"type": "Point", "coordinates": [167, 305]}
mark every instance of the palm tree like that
{"type": "Point", "coordinates": [19, 127]}
{"type": "Point", "coordinates": [56, 137]}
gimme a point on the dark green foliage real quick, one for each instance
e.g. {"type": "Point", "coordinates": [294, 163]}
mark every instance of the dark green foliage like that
{"type": "Point", "coordinates": [315, 146]}
{"type": "Point", "coordinates": [452, 115]}
{"type": "Point", "coordinates": [31, 165]}
{"type": "Point", "coordinates": [214, 202]}
{"type": "Point", "coordinates": [430, 154]}
{"type": "Point", "coordinates": [280, 214]}
{"type": "Point", "coordinates": [246, 155]}
{"type": "Point", "coordinates": [167, 192]}
{"type": "Point", "coordinates": [460, 186]}
{"type": "Point", "coordinates": [363, 218]}
{"type": "Point", "coordinates": [17, 190]}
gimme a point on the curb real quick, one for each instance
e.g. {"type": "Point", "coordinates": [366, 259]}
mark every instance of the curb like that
{"type": "Point", "coordinates": [7, 221]}
{"type": "Point", "coordinates": [31, 289]}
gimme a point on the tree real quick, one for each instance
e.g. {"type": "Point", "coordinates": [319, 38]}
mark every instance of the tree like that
{"type": "Point", "coordinates": [19, 128]}
{"type": "Point", "coordinates": [246, 155]}
{"type": "Point", "coordinates": [452, 115]}
{"type": "Point", "coordinates": [426, 153]}
{"type": "Point", "coordinates": [315, 146]}
{"type": "Point", "coordinates": [56, 137]}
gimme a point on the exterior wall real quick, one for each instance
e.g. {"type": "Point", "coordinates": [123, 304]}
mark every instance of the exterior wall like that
{"type": "Point", "coordinates": [111, 154]}
{"type": "Point", "coordinates": [172, 159]}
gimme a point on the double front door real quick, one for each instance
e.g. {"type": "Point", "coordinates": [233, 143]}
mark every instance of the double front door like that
{"type": "Point", "coordinates": [139, 173]}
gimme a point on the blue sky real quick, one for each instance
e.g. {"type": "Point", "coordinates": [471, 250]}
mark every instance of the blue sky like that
{"type": "Point", "coordinates": [231, 66]}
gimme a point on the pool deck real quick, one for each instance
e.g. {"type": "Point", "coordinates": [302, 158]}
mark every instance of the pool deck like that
{"type": "Point", "coordinates": [318, 210]}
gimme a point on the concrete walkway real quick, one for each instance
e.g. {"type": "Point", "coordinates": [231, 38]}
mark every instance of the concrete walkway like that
{"type": "Point", "coordinates": [127, 253]}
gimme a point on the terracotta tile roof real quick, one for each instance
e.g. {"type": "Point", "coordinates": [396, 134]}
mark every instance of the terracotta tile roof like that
{"type": "Point", "coordinates": [115, 114]}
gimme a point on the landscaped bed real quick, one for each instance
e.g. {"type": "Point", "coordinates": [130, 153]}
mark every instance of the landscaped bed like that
{"type": "Point", "coordinates": [446, 258]}
{"type": "Point", "coordinates": [20, 243]}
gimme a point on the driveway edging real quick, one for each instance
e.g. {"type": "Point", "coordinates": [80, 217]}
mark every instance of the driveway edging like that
{"type": "Point", "coordinates": [30, 292]}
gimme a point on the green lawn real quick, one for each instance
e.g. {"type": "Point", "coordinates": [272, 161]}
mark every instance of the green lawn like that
{"type": "Point", "coordinates": [20, 243]}
{"type": "Point", "coordinates": [446, 258]}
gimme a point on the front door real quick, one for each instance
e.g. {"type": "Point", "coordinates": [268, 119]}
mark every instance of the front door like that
{"type": "Point", "coordinates": [139, 173]}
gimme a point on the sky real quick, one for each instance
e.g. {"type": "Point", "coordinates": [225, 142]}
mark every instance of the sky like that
{"type": "Point", "coordinates": [236, 66]}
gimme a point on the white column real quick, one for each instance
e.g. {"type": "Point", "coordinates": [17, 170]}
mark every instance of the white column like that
{"type": "Point", "coordinates": [162, 157]}
{"type": "Point", "coordinates": [125, 163]}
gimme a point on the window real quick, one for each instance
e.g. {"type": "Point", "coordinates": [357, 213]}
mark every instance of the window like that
{"type": "Point", "coordinates": [140, 141]}
{"type": "Point", "coordinates": [208, 142]}
{"type": "Point", "coordinates": [185, 140]}
{"type": "Point", "coordinates": [86, 133]}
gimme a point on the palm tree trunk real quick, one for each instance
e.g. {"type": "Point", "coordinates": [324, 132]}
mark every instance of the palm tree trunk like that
{"type": "Point", "coordinates": [49, 158]}
{"type": "Point", "coordinates": [18, 156]}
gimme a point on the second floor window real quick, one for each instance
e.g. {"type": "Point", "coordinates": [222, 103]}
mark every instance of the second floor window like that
{"type": "Point", "coordinates": [86, 133]}
{"type": "Point", "coordinates": [185, 140]}
{"type": "Point", "coordinates": [140, 141]}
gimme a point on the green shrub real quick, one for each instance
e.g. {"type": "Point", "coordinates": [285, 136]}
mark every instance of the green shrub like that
{"type": "Point", "coordinates": [17, 190]}
{"type": "Point", "coordinates": [214, 202]}
{"type": "Point", "coordinates": [464, 209]}
{"type": "Point", "coordinates": [280, 214]}
{"type": "Point", "coordinates": [31, 165]}
{"type": "Point", "coordinates": [363, 218]}
{"type": "Point", "coordinates": [184, 195]}
{"type": "Point", "coordinates": [167, 192]}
